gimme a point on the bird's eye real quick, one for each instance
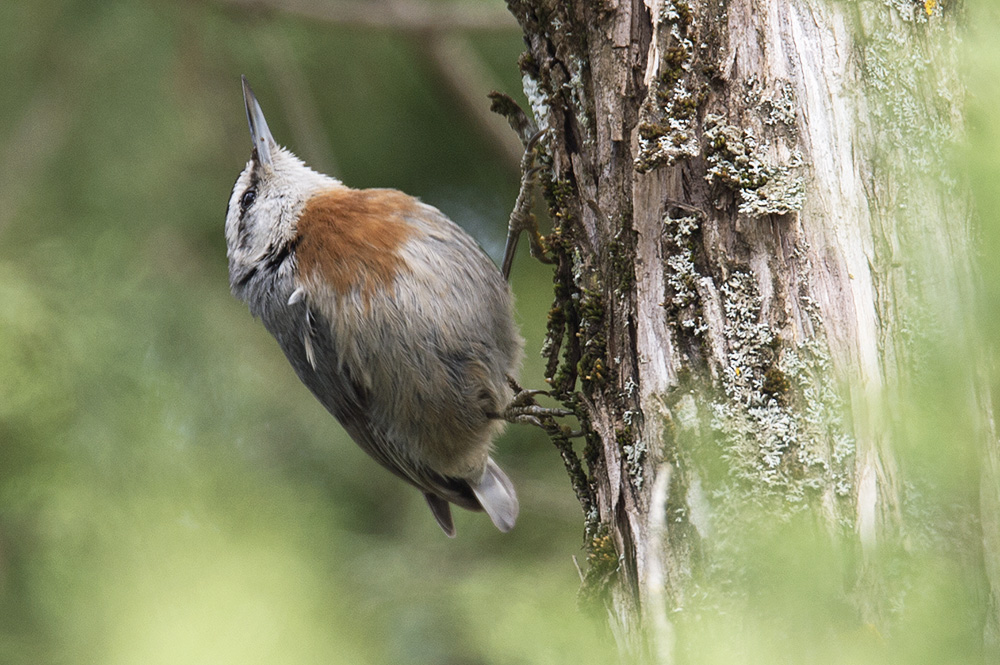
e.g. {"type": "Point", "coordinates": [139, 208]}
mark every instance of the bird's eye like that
{"type": "Point", "coordinates": [248, 198]}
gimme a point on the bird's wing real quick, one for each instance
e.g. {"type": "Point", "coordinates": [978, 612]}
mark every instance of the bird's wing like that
{"type": "Point", "coordinates": [345, 397]}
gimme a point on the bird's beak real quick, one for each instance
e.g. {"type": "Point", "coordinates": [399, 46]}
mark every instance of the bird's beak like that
{"type": "Point", "coordinates": [263, 142]}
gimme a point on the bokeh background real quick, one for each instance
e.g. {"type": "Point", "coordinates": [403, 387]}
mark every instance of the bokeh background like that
{"type": "Point", "coordinates": [169, 491]}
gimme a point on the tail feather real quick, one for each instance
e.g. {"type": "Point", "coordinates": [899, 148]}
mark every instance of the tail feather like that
{"type": "Point", "coordinates": [496, 495]}
{"type": "Point", "coordinates": [442, 513]}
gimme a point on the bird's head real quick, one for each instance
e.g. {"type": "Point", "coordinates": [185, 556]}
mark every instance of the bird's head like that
{"type": "Point", "coordinates": [268, 196]}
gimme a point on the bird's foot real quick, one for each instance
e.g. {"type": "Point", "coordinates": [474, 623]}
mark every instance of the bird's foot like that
{"type": "Point", "coordinates": [523, 408]}
{"type": "Point", "coordinates": [521, 218]}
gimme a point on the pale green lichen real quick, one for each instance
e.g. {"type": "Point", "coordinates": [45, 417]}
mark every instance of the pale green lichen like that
{"type": "Point", "coordinates": [747, 337]}
{"type": "Point", "coordinates": [914, 94]}
{"type": "Point", "coordinates": [682, 274]}
{"type": "Point", "coordinates": [914, 11]}
{"type": "Point", "coordinates": [777, 416]}
{"type": "Point", "coordinates": [667, 117]}
{"type": "Point", "coordinates": [738, 162]}
{"type": "Point", "coordinates": [634, 448]}
{"type": "Point", "coordinates": [791, 444]}
{"type": "Point", "coordinates": [776, 105]}
{"type": "Point", "coordinates": [578, 91]}
{"type": "Point", "coordinates": [809, 369]}
{"type": "Point", "coordinates": [536, 100]}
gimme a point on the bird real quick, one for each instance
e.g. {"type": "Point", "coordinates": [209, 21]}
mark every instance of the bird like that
{"type": "Point", "coordinates": [391, 314]}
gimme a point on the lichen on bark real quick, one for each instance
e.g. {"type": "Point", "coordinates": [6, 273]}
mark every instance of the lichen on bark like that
{"type": "Point", "coordinates": [738, 162]}
{"type": "Point", "coordinates": [669, 114]}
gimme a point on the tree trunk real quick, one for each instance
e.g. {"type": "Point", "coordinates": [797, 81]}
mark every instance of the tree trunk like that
{"type": "Point", "coordinates": [745, 196]}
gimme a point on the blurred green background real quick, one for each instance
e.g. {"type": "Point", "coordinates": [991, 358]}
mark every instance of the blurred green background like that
{"type": "Point", "coordinates": [169, 491]}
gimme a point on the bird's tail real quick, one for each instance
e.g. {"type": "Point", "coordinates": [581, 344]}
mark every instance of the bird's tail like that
{"type": "Point", "coordinates": [442, 513]}
{"type": "Point", "coordinates": [497, 496]}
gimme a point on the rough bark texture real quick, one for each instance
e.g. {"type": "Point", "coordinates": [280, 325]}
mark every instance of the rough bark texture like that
{"type": "Point", "coordinates": [738, 223]}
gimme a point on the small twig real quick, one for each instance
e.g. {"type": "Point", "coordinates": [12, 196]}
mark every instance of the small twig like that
{"type": "Point", "coordinates": [560, 436]}
{"type": "Point", "coordinates": [525, 128]}
{"type": "Point", "coordinates": [574, 467]}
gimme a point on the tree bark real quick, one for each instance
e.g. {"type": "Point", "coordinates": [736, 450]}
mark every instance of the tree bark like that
{"type": "Point", "coordinates": [745, 195]}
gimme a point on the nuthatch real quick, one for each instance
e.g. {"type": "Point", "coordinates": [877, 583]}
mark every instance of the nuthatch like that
{"type": "Point", "coordinates": [390, 313]}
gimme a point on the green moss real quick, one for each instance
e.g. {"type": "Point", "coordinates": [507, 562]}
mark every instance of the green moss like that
{"type": "Point", "coordinates": [673, 61]}
{"type": "Point", "coordinates": [593, 341]}
{"type": "Point", "coordinates": [775, 383]}
{"type": "Point", "coordinates": [559, 195]}
{"type": "Point", "coordinates": [561, 347]}
{"type": "Point", "coordinates": [556, 316]}
{"type": "Point", "coordinates": [592, 307]}
{"type": "Point", "coordinates": [602, 558]}
{"type": "Point", "coordinates": [602, 565]}
{"type": "Point", "coordinates": [592, 371]}
{"type": "Point", "coordinates": [591, 449]}
{"type": "Point", "coordinates": [624, 436]}
{"type": "Point", "coordinates": [560, 372]}
{"type": "Point", "coordinates": [684, 14]}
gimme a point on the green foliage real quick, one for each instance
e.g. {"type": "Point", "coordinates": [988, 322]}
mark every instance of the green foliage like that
{"type": "Point", "coordinates": [169, 492]}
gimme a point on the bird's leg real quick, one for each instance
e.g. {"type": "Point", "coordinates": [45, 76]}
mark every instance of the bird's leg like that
{"type": "Point", "coordinates": [521, 217]}
{"type": "Point", "coordinates": [523, 408]}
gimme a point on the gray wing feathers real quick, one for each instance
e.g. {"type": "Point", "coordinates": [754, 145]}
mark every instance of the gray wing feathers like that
{"type": "Point", "coordinates": [497, 497]}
